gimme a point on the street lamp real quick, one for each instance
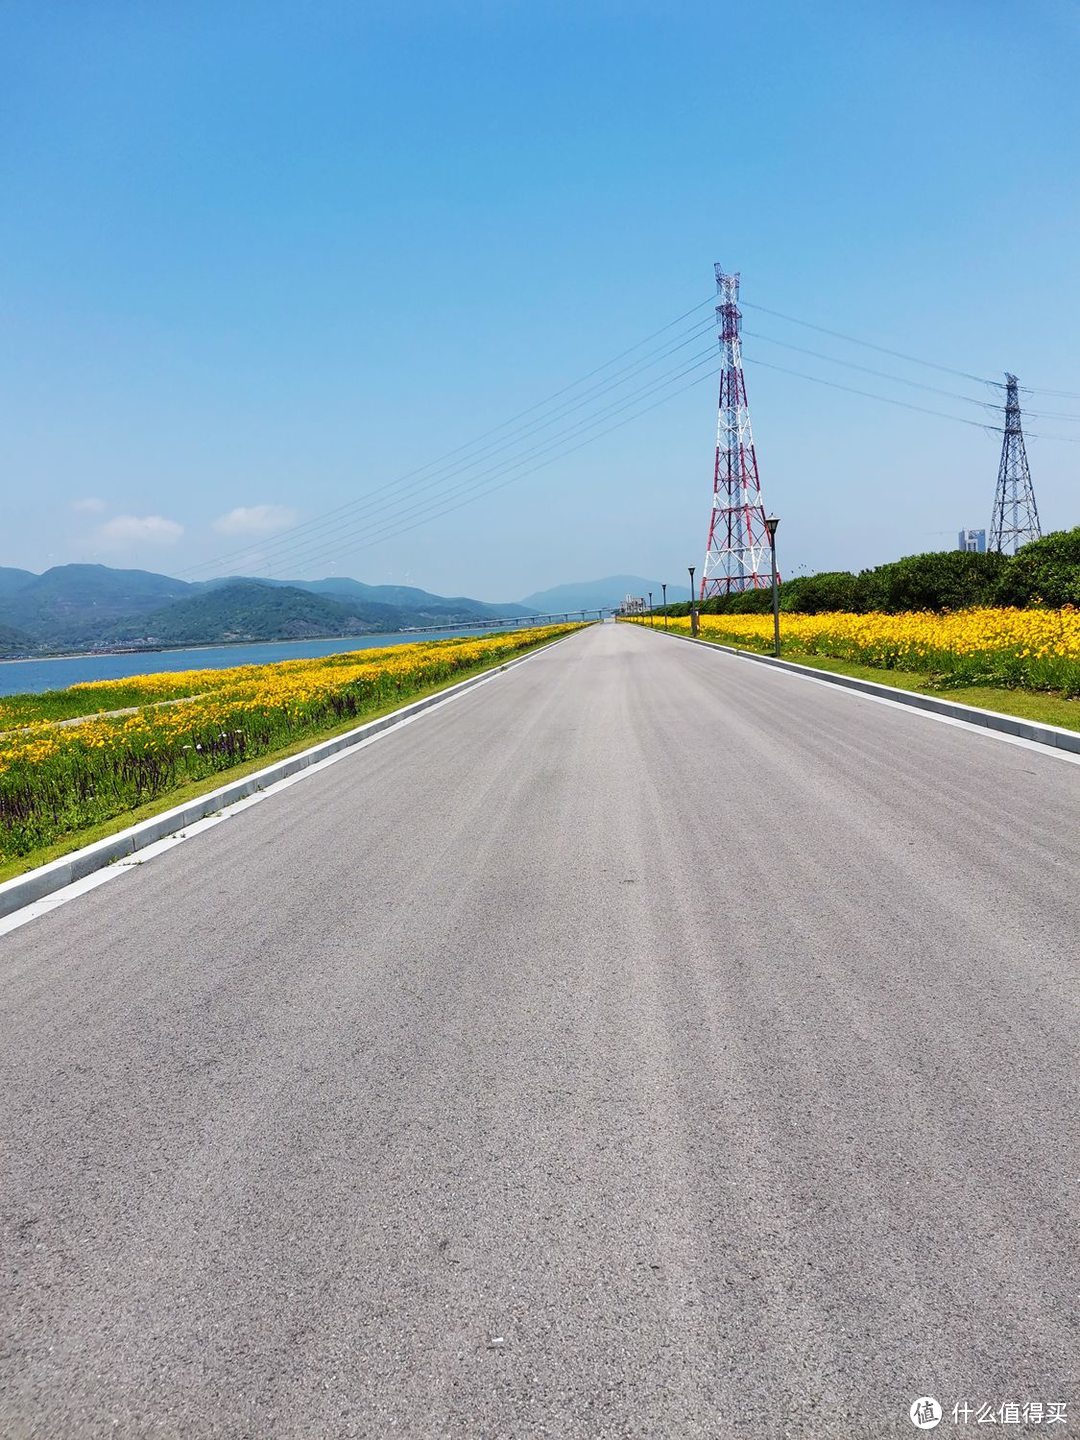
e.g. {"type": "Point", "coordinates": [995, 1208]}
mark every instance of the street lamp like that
{"type": "Point", "coordinates": [650, 610]}
{"type": "Point", "coordinates": [693, 606]}
{"type": "Point", "coordinates": [663, 587]}
{"type": "Point", "coordinates": [771, 522]}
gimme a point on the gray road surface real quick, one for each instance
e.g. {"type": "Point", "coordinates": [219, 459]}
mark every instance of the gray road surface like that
{"type": "Point", "coordinates": [647, 1044]}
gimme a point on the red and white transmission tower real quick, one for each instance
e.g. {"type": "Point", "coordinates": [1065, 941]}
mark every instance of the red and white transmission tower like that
{"type": "Point", "coordinates": [738, 556]}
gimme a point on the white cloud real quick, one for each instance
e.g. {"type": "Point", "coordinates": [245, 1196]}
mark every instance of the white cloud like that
{"type": "Point", "coordinates": [90, 506]}
{"type": "Point", "coordinates": [140, 529]}
{"type": "Point", "coordinates": [255, 520]}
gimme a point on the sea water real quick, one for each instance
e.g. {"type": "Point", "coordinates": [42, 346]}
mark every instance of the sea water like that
{"type": "Point", "coordinates": [20, 676]}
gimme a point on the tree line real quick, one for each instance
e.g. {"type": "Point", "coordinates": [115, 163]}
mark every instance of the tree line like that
{"type": "Point", "coordinates": [1046, 572]}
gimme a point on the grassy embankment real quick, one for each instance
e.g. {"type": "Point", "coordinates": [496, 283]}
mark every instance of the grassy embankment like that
{"type": "Point", "coordinates": [1022, 663]}
{"type": "Point", "coordinates": [65, 785]}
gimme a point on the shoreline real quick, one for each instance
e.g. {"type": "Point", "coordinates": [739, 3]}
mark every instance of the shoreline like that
{"type": "Point", "coordinates": [87, 666]}
{"type": "Point", "coordinates": [174, 649]}
{"type": "Point", "coordinates": [514, 622]}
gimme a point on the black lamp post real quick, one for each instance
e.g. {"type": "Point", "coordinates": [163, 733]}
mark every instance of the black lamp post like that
{"type": "Point", "coordinates": [693, 605]}
{"type": "Point", "coordinates": [663, 587]}
{"type": "Point", "coordinates": [771, 522]}
{"type": "Point", "coordinates": [650, 610]}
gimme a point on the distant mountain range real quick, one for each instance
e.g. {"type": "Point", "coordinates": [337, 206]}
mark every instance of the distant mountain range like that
{"type": "Point", "coordinates": [90, 607]}
{"type": "Point", "coordinates": [93, 607]}
{"type": "Point", "coordinates": [610, 592]}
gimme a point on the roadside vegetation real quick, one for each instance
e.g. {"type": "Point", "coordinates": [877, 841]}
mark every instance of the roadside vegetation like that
{"type": "Point", "coordinates": [68, 766]}
{"type": "Point", "coordinates": [1045, 573]}
{"type": "Point", "coordinates": [1024, 649]}
{"type": "Point", "coordinates": [1004, 630]}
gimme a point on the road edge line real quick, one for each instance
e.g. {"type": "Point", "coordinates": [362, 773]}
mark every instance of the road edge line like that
{"type": "Point", "coordinates": [1054, 737]}
{"type": "Point", "coordinates": [45, 880]}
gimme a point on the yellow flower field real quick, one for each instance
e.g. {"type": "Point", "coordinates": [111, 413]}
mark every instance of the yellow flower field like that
{"type": "Point", "coordinates": [1032, 648]}
{"type": "Point", "coordinates": [59, 776]}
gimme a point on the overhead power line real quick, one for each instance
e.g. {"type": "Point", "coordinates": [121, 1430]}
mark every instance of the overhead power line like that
{"type": "Point", "coordinates": [293, 547]}
{"type": "Point", "coordinates": [331, 516]}
{"type": "Point", "coordinates": [867, 370]}
{"type": "Point", "coordinates": [991, 405]}
{"type": "Point", "coordinates": [395, 492]}
{"type": "Point", "coordinates": [868, 395]}
{"type": "Point", "coordinates": [869, 345]}
{"type": "Point", "coordinates": [906, 405]}
{"type": "Point", "coordinates": [1042, 435]}
{"type": "Point", "coordinates": [552, 461]}
{"type": "Point", "coordinates": [911, 359]}
{"type": "Point", "coordinates": [392, 526]}
{"type": "Point", "coordinates": [1061, 394]}
{"type": "Point", "coordinates": [474, 486]}
{"type": "Point", "coordinates": [1051, 414]}
{"type": "Point", "coordinates": [563, 421]}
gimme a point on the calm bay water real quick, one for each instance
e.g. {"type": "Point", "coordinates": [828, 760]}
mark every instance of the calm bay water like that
{"type": "Point", "coordinates": [20, 676]}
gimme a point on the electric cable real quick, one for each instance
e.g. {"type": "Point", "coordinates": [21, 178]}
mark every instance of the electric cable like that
{"type": "Point", "coordinates": [501, 485]}
{"type": "Point", "coordinates": [290, 549]}
{"type": "Point", "coordinates": [307, 552]}
{"type": "Point", "coordinates": [306, 542]}
{"type": "Point", "coordinates": [906, 405]}
{"type": "Point", "coordinates": [869, 345]}
{"type": "Point", "coordinates": [912, 359]}
{"type": "Point", "coordinates": [330, 516]}
{"type": "Point", "coordinates": [364, 504]}
{"type": "Point", "coordinates": [867, 370]}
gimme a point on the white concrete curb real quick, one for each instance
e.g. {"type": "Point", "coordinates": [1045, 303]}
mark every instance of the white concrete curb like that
{"type": "Point", "coordinates": [1053, 735]}
{"type": "Point", "coordinates": [46, 879]}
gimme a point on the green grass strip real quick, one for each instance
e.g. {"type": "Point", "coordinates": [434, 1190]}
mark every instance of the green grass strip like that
{"type": "Point", "coordinates": [181, 794]}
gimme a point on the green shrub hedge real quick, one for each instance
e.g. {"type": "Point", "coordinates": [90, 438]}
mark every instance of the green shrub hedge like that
{"type": "Point", "coordinates": [1046, 572]}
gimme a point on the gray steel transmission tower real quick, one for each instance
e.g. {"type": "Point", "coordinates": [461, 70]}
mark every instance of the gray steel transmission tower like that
{"type": "Point", "coordinates": [1016, 517]}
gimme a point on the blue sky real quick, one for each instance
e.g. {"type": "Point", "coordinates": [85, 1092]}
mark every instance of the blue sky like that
{"type": "Point", "coordinates": [260, 259]}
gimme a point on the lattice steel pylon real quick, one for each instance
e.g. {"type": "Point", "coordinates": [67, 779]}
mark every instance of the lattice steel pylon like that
{"type": "Point", "coordinates": [1016, 516]}
{"type": "Point", "coordinates": [737, 556]}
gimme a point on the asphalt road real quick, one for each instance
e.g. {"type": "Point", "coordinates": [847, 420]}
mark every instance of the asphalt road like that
{"type": "Point", "coordinates": [646, 1044]}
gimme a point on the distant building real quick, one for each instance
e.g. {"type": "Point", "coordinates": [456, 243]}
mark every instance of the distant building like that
{"type": "Point", "coordinates": [633, 605]}
{"type": "Point", "coordinates": [973, 540]}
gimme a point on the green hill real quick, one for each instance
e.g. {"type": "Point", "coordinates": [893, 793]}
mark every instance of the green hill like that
{"type": "Point", "coordinates": [250, 610]}
{"type": "Point", "coordinates": [12, 580]}
{"type": "Point", "coordinates": [437, 609]}
{"type": "Point", "coordinates": [73, 605]}
{"type": "Point", "coordinates": [14, 642]}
